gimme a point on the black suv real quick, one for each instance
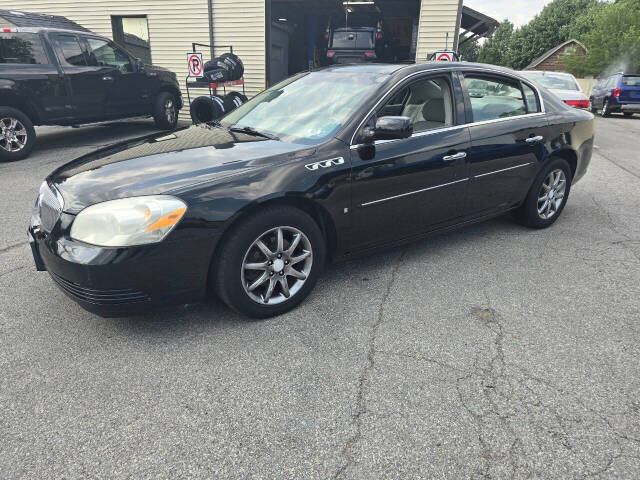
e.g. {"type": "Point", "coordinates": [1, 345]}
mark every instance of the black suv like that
{"type": "Point", "coordinates": [352, 44]}
{"type": "Point", "coordinates": [51, 76]}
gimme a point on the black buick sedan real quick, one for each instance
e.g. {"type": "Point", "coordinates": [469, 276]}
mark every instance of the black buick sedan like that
{"type": "Point", "coordinates": [323, 166]}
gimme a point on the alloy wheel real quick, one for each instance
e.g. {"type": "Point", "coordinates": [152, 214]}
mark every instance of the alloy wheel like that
{"type": "Point", "coordinates": [170, 111]}
{"type": "Point", "coordinates": [277, 265]}
{"type": "Point", "coordinates": [551, 194]}
{"type": "Point", "coordinates": [13, 134]}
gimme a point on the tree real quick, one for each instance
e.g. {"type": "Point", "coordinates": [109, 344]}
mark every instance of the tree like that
{"type": "Point", "coordinates": [469, 51]}
{"type": "Point", "coordinates": [551, 27]}
{"type": "Point", "coordinates": [496, 49]}
{"type": "Point", "coordinates": [611, 34]}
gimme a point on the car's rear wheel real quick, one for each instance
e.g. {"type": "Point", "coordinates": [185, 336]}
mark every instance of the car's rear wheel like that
{"type": "Point", "coordinates": [165, 111]}
{"type": "Point", "coordinates": [606, 108]}
{"type": "Point", "coordinates": [269, 262]}
{"type": "Point", "coordinates": [548, 195]}
{"type": "Point", "coordinates": [17, 135]}
{"type": "Point", "coordinates": [592, 107]}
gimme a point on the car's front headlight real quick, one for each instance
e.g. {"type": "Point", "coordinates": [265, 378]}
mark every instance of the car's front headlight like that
{"type": "Point", "coordinates": [128, 221]}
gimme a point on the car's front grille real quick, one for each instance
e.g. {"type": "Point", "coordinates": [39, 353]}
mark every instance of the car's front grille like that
{"type": "Point", "coordinates": [50, 208]}
{"type": "Point", "coordinates": [100, 297]}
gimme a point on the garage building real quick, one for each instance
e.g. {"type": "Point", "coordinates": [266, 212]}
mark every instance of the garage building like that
{"type": "Point", "coordinates": [274, 38]}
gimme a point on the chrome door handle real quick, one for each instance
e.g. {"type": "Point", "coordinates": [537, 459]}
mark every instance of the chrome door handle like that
{"type": "Point", "coordinates": [107, 78]}
{"type": "Point", "coordinates": [536, 139]}
{"type": "Point", "coordinates": [455, 156]}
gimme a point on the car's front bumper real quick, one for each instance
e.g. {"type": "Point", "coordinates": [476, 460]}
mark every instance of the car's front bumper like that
{"type": "Point", "coordinates": [115, 282]}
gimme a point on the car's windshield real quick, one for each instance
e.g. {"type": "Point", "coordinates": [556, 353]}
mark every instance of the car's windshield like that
{"type": "Point", "coordinates": [631, 80]}
{"type": "Point", "coordinates": [306, 109]}
{"type": "Point", "coordinates": [552, 81]}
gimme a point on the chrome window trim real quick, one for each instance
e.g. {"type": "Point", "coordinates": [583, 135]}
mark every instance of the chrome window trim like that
{"type": "Point", "coordinates": [460, 69]}
{"type": "Point", "coordinates": [501, 170]}
{"type": "Point", "coordinates": [412, 192]}
{"type": "Point", "coordinates": [415, 135]}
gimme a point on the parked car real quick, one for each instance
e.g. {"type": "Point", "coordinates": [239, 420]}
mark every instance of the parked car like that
{"type": "Point", "coordinates": [352, 44]}
{"type": "Point", "coordinates": [62, 77]}
{"type": "Point", "coordinates": [616, 93]}
{"type": "Point", "coordinates": [328, 164]}
{"type": "Point", "coordinates": [564, 85]}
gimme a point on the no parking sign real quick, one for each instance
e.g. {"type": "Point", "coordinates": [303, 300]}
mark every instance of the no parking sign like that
{"type": "Point", "coordinates": [444, 56]}
{"type": "Point", "coordinates": [194, 63]}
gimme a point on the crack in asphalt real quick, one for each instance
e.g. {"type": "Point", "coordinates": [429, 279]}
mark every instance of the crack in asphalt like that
{"type": "Point", "coordinates": [502, 398]}
{"type": "Point", "coordinates": [2, 274]}
{"type": "Point", "coordinates": [12, 247]}
{"type": "Point", "coordinates": [361, 407]}
{"type": "Point", "coordinates": [617, 164]}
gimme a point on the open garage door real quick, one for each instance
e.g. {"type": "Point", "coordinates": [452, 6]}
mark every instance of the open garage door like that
{"type": "Point", "coordinates": [301, 34]}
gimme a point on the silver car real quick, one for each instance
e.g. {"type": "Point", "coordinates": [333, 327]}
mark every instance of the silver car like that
{"type": "Point", "coordinates": [564, 85]}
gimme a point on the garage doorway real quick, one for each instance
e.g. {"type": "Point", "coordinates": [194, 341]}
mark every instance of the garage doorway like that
{"type": "Point", "coordinates": [298, 31]}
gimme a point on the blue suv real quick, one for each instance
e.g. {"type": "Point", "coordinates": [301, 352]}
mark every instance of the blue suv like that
{"type": "Point", "coordinates": [616, 93]}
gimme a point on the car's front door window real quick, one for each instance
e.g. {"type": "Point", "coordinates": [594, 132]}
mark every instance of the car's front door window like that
{"type": "Point", "coordinates": [426, 102]}
{"type": "Point", "coordinates": [103, 54]}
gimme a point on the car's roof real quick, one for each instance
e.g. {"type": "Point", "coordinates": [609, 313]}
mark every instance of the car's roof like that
{"type": "Point", "coordinates": [50, 29]}
{"type": "Point", "coordinates": [391, 68]}
{"type": "Point", "coordinates": [546, 72]}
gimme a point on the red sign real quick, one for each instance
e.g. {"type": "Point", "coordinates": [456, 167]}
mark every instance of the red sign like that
{"type": "Point", "coordinates": [194, 62]}
{"type": "Point", "coordinates": [444, 56]}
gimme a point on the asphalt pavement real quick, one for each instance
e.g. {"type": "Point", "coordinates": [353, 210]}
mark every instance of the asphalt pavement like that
{"type": "Point", "coordinates": [491, 352]}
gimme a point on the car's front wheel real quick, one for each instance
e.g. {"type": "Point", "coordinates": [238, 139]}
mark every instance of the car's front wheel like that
{"type": "Point", "coordinates": [548, 195]}
{"type": "Point", "coordinates": [17, 135]}
{"type": "Point", "coordinates": [165, 111]}
{"type": "Point", "coordinates": [269, 262]}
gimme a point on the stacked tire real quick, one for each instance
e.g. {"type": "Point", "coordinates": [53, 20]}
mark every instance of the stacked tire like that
{"type": "Point", "coordinates": [225, 68]}
{"type": "Point", "coordinates": [206, 109]}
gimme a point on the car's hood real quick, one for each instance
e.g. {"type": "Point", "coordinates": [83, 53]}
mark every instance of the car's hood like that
{"type": "Point", "coordinates": [163, 163]}
{"type": "Point", "coordinates": [569, 94]}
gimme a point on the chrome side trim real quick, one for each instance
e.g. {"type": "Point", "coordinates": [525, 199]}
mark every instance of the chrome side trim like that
{"type": "Point", "coordinates": [462, 70]}
{"type": "Point", "coordinates": [413, 192]}
{"type": "Point", "coordinates": [501, 170]}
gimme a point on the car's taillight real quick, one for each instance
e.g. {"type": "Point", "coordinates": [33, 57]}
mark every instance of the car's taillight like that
{"type": "Point", "coordinates": [616, 93]}
{"type": "Point", "coordinates": [6, 30]}
{"type": "Point", "coordinates": [326, 36]}
{"type": "Point", "coordinates": [379, 36]}
{"type": "Point", "coordinates": [330, 53]}
{"type": "Point", "coordinates": [369, 54]}
{"type": "Point", "coordinates": [577, 103]}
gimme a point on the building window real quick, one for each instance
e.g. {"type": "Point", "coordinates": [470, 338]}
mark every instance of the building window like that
{"type": "Point", "coordinates": [132, 33]}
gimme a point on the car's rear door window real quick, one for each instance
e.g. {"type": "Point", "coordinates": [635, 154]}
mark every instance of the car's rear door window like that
{"type": "Point", "coordinates": [22, 48]}
{"type": "Point", "coordinates": [343, 40]}
{"type": "Point", "coordinates": [364, 40]}
{"type": "Point", "coordinates": [71, 50]}
{"type": "Point", "coordinates": [494, 98]}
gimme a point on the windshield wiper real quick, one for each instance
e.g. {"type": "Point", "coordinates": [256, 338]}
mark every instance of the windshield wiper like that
{"type": "Point", "coordinates": [254, 132]}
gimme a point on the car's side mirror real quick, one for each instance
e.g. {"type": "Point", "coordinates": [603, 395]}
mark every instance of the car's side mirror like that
{"type": "Point", "coordinates": [139, 65]}
{"type": "Point", "coordinates": [388, 128]}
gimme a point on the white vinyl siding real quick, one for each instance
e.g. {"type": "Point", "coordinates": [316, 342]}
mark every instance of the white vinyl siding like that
{"type": "Point", "coordinates": [241, 23]}
{"type": "Point", "coordinates": [437, 18]}
{"type": "Point", "coordinates": [173, 25]}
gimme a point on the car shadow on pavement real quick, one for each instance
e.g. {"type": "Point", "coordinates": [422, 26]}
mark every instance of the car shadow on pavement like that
{"type": "Point", "coordinates": [213, 313]}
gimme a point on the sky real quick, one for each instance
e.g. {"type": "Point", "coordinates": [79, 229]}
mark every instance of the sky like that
{"type": "Point", "coordinates": [518, 12]}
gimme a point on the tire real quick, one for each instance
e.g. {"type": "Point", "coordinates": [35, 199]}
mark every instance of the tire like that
{"type": "Point", "coordinates": [606, 109]}
{"type": "Point", "coordinates": [232, 281]}
{"type": "Point", "coordinates": [206, 109]}
{"type": "Point", "coordinates": [165, 111]}
{"type": "Point", "coordinates": [592, 108]}
{"type": "Point", "coordinates": [17, 135]}
{"type": "Point", "coordinates": [233, 100]}
{"type": "Point", "coordinates": [628, 114]}
{"type": "Point", "coordinates": [528, 214]}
